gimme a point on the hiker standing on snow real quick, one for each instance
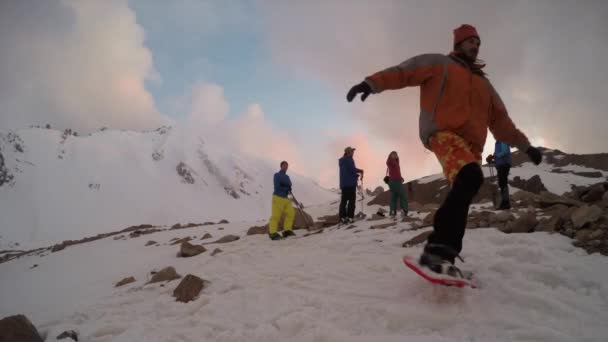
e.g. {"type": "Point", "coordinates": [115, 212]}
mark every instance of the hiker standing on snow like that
{"type": "Point", "coordinates": [502, 161]}
{"type": "Point", "coordinates": [349, 176]}
{"type": "Point", "coordinates": [458, 105]}
{"type": "Point", "coordinates": [281, 205]}
{"type": "Point", "coordinates": [395, 184]}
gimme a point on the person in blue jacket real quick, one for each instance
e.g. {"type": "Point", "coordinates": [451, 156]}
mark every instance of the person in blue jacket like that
{"type": "Point", "coordinates": [502, 162]}
{"type": "Point", "coordinates": [281, 205]}
{"type": "Point", "coordinates": [349, 177]}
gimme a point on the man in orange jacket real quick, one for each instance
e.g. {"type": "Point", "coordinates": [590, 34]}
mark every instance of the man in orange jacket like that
{"type": "Point", "coordinates": [458, 105]}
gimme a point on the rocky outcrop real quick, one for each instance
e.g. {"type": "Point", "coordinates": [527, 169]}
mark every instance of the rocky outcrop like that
{"type": "Point", "coordinates": [18, 328]}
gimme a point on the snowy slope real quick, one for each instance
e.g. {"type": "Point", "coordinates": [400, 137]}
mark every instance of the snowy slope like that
{"type": "Point", "coordinates": [63, 186]}
{"type": "Point", "coordinates": [340, 285]}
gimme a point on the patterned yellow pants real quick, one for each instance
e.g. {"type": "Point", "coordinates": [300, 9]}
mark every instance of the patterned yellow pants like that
{"type": "Point", "coordinates": [453, 152]}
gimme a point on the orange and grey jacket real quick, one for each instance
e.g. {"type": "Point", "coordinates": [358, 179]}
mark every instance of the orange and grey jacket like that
{"type": "Point", "coordinates": [453, 97]}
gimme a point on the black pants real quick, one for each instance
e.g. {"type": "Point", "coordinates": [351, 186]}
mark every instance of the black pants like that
{"type": "Point", "coordinates": [503, 175]}
{"type": "Point", "coordinates": [347, 202]}
{"type": "Point", "coordinates": [451, 218]}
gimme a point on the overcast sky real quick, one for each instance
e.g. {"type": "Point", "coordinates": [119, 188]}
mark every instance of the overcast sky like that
{"type": "Point", "coordinates": [273, 74]}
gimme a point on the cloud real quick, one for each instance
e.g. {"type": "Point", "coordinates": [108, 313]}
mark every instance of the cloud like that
{"type": "Point", "coordinates": [207, 104]}
{"type": "Point", "coordinates": [76, 64]}
{"type": "Point", "coordinates": [250, 132]}
{"type": "Point", "coordinates": [259, 138]}
{"type": "Point", "coordinates": [544, 57]}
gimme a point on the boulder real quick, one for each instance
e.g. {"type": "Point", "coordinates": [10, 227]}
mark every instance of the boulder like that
{"type": "Point", "coordinates": [533, 185]}
{"type": "Point", "coordinates": [68, 334]}
{"type": "Point", "coordinates": [226, 239]}
{"type": "Point", "coordinates": [187, 250]}
{"type": "Point", "coordinates": [257, 230]}
{"type": "Point", "coordinates": [18, 328]}
{"type": "Point", "coordinates": [188, 289]}
{"type": "Point", "coordinates": [383, 226]}
{"type": "Point", "coordinates": [524, 224]}
{"type": "Point", "coordinates": [585, 214]}
{"type": "Point", "coordinates": [549, 225]}
{"type": "Point", "coordinates": [166, 274]}
{"type": "Point", "coordinates": [125, 281]}
{"type": "Point", "coordinates": [547, 199]}
{"type": "Point", "coordinates": [594, 194]}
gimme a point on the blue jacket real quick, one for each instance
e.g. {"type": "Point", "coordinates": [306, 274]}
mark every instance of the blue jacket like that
{"type": "Point", "coordinates": [282, 184]}
{"type": "Point", "coordinates": [502, 154]}
{"type": "Point", "coordinates": [348, 172]}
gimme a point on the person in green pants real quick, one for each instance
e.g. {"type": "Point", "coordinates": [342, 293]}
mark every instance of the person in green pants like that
{"type": "Point", "coordinates": [395, 184]}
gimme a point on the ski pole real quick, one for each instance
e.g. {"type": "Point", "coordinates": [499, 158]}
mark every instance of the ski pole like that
{"type": "Point", "coordinates": [362, 196]}
{"type": "Point", "coordinates": [494, 202]}
{"type": "Point", "coordinates": [301, 208]}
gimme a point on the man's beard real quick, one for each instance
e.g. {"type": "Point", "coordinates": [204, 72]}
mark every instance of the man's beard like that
{"type": "Point", "coordinates": [467, 57]}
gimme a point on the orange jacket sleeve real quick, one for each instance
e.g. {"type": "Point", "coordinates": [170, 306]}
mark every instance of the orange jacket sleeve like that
{"type": "Point", "coordinates": [412, 72]}
{"type": "Point", "coordinates": [502, 127]}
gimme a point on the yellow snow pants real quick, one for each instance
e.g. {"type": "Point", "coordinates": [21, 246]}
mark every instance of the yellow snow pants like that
{"type": "Point", "coordinates": [280, 206]}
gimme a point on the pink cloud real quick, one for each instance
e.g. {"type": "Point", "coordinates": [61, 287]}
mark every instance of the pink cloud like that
{"type": "Point", "coordinates": [81, 65]}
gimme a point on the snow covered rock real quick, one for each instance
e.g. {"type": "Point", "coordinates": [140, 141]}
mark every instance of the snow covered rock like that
{"type": "Point", "coordinates": [534, 184]}
{"type": "Point", "coordinates": [185, 172]}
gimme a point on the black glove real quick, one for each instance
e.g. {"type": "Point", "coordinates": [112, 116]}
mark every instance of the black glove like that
{"type": "Point", "coordinates": [490, 159]}
{"type": "Point", "coordinates": [535, 155]}
{"type": "Point", "coordinates": [362, 87]}
{"type": "Point", "coordinates": [289, 189]}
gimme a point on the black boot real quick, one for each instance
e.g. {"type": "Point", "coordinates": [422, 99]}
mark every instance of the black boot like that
{"type": "Point", "coordinates": [287, 233]}
{"type": "Point", "coordinates": [275, 236]}
{"type": "Point", "coordinates": [440, 259]}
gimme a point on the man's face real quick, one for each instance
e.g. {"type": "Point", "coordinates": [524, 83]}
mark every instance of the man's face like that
{"type": "Point", "coordinates": [284, 166]}
{"type": "Point", "coordinates": [470, 47]}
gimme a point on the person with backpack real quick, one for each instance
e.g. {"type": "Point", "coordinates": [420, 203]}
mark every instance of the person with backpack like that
{"type": "Point", "coordinates": [458, 104]}
{"type": "Point", "coordinates": [395, 184]}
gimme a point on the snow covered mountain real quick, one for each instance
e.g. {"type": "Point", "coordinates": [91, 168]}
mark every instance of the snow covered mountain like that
{"type": "Point", "coordinates": [334, 283]}
{"type": "Point", "coordinates": [57, 185]}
